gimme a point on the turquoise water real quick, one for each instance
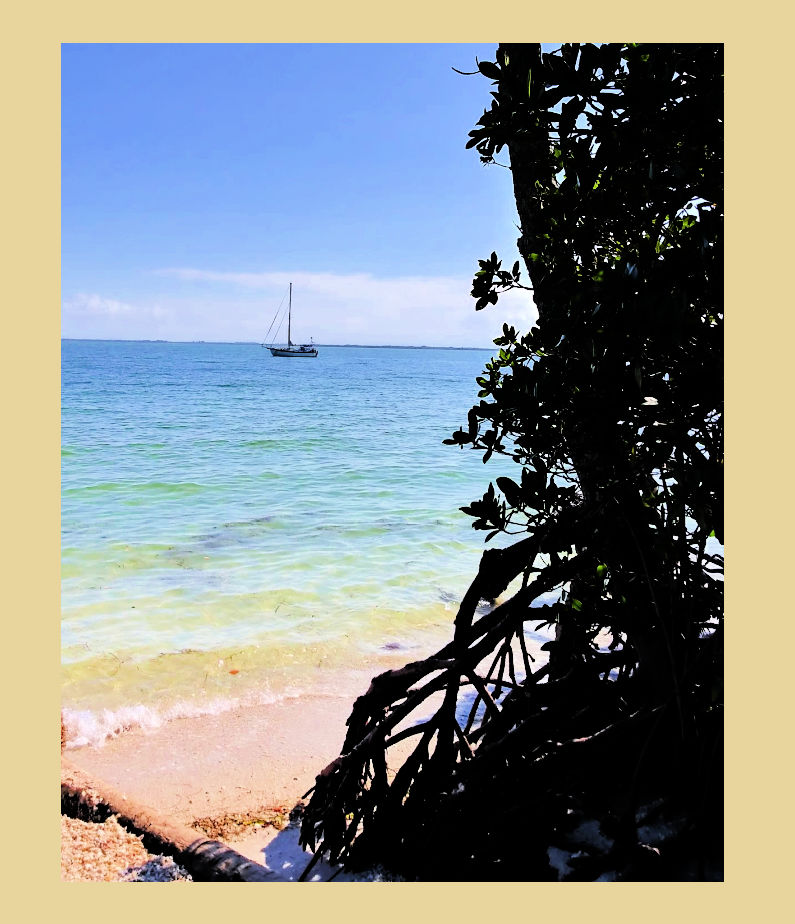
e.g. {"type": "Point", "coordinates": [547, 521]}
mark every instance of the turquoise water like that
{"type": "Point", "coordinates": [236, 525]}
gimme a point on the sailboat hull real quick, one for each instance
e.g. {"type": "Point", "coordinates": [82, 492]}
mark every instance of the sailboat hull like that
{"type": "Point", "coordinates": [284, 351]}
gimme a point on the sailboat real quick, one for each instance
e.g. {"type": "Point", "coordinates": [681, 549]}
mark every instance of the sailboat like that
{"type": "Point", "coordinates": [292, 349]}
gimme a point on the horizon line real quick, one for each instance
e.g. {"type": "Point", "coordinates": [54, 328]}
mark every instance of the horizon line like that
{"type": "Point", "coordinates": [366, 346]}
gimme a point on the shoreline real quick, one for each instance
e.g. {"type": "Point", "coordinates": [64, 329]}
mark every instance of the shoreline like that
{"type": "Point", "coordinates": [250, 754]}
{"type": "Point", "coordinates": [234, 777]}
{"type": "Point", "coordinates": [96, 724]}
{"type": "Point", "coordinates": [248, 758]}
{"type": "Point", "coordinates": [227, 773]}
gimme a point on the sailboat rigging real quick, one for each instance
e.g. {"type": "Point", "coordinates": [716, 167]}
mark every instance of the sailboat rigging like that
{"type": "Point", "coordinates": [292, 349]}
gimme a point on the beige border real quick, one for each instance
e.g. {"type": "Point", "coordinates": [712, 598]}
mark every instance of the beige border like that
{"type": "Point", "coordinates": [757, 785]}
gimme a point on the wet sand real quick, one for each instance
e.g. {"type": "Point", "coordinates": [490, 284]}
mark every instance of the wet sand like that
{"type": "Point", "coordinates": [251, 761]}
{"type": "Point", "coordinates": [242, 760]}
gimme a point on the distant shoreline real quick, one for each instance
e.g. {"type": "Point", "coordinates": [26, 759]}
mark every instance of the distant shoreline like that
{"type": "Point", "coordinates": [358, 346]}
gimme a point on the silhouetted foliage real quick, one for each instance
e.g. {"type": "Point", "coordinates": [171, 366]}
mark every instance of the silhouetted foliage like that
{"type": "Point", "coordinates": [611, 751]}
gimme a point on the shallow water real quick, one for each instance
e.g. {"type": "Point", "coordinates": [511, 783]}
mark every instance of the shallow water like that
{"type": "Point", "coordinates": [240, 526]}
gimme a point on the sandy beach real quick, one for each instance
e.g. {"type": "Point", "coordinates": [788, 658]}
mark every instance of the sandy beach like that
{"type": "Point", "coordinates": [234, 777]}
{"type": "Point", "coordinates": [236, 761]}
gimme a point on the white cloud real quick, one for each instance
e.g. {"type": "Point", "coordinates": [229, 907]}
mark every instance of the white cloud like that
{"type": "Point", "coordinates": [201, 304]}
{"type": "Point", "coordinates": [84, 304]}
{"type": "Point", "coordinates": [360, 307]}
{"type": "Point", "coordinates": [92, 315]}
{"type": "Point", "coordinates": [93, 305]}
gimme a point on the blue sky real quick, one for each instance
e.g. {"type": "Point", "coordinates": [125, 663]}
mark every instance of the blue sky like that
{"type": "Point", "coordinates": [198, 180]}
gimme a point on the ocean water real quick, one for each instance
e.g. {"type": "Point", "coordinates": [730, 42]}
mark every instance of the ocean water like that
{"type": "Point", "coordinates": [237, 527]}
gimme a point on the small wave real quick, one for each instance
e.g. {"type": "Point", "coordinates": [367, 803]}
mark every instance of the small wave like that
{"type": "Point", "coordinates": [84, 727]}
{"type": "Point", "coordinates": [96, 488]}
{"type": "Point", "coordinates": [179, 487]}
{"type": "Point", "coordinates": [184, 487]}
{"type": "Point", "coordinates": [89, 728]}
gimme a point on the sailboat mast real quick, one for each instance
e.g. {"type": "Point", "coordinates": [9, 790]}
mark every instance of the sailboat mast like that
{"type": "Point", "coordinates": [289, 315]}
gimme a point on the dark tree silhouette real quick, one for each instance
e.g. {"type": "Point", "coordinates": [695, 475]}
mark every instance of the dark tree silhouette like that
{"type": "Point", "coordinates": [609, 754]}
